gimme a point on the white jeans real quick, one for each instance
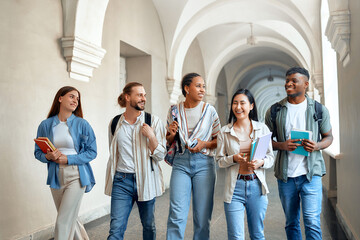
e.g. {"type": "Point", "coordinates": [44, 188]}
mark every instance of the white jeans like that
{"type": "Point", "coordinates": [67, 201]}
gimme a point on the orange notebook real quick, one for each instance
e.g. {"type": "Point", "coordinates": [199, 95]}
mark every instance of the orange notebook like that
{"type": "Point", "coordinates": [44, 144]}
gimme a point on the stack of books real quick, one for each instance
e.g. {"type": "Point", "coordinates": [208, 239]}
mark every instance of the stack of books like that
{"type": "Point", "coordinates": [260, 146]}
{"type": "Point", "coordinates": [44, 144]}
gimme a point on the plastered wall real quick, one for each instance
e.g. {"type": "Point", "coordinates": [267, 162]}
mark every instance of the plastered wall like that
{"type": "Point", "coordinates": [32, 69]}
{"type": "Point", "coordinates": [348, 166]}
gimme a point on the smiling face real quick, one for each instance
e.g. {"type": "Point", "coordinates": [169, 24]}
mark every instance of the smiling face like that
{"type": "Point", "coordinates": [296, 85]}
{"type": "Point", "coordinates": [196, 90]}
{"type": "Point", "coordinates": [241, 106]}
{"type": "Point", "coordinates": [137, 98]}
{"type": "Point", "coordinates": [69, 102]}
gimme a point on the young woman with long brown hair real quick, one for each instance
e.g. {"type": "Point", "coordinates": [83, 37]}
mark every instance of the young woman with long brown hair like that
{"type": "Point", "coordinates": [69, 172]}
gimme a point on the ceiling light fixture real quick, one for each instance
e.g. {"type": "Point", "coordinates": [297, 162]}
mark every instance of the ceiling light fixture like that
{"type": "Point", "coordinates": [251, 40]}
{"type": "Point", "coordinates": [270, 77]}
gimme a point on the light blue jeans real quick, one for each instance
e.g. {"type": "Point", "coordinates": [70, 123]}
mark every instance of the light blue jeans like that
{"type": "Point", "coordinates": [297, 190]}
{"type": "Point", "coordinates": [192, 173]}
{"type": "Point", "coordinates": [123, 196]}
{"type": "Point", "coordinates": [247, 195]}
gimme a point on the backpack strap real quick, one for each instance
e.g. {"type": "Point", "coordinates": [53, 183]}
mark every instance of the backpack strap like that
{"type": "Point", "coordinates": [175, 116]}
{"type": "Point", "coordinates": [318, 117]}
{"type": "Point", "coordinates": [148, 118]}
{"type": "Point", "coordinates": [148, 122]}
{"type": "Point", "coordinates": [273, 112]}
{"type": "Point", "coordinates": [114, 123]}
{"type": "Point", "coordinates": [117, 118]}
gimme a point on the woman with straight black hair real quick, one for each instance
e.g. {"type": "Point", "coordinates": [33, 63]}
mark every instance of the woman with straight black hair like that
{"type": "Point", "coordinates": [69, 171]}
{"type": "Point", "coordinates": [245, 185]}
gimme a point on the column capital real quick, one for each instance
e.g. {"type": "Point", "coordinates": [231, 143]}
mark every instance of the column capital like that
{"type": "Point", "coordinates": [174, 90]}
{"type": "Point", "coordinates": [81, 57]}
{"type": "Point", "coordinates": [81, 42]}
{"type": "Point", "coordinates": [338, 33]}
{"type": "Point", "coordinates": [318, 83]}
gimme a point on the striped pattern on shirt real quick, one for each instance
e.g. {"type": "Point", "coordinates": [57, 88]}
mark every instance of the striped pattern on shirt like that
{"type": "Point", "coordinates": [206, 129]}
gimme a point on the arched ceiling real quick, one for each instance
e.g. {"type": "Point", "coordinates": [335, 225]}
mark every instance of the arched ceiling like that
{"type": "Point", "coordinates": [287, 33]}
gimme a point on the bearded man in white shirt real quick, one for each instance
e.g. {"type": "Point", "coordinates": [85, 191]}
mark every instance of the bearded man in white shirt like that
{"type": "Point", "coordinates": [133, 172]}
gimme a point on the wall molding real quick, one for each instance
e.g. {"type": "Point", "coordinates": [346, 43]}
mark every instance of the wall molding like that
{"type": "Point", "coordinates": [338, 33]}
{"type": "Point", "coordinates": [346, 224]}
{"type": "Point", "coordinates": [81, 57]}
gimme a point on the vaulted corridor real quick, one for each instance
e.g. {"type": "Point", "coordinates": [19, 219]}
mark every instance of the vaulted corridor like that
{"type": "Point", "coordinates": [99, 46]}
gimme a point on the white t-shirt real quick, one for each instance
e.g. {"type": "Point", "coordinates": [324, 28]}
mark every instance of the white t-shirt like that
{"type": "Point", "coordinates": [295, 118]}
{"type": "Point", "coordinates": [63, 140]}
{"type": "Point", "coordinates": [193, 116]}
{"type": "Point", "coordinates": [125, 147]}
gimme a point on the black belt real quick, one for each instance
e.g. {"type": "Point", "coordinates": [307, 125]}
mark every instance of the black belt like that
{"type": "Point", "coordinates": [248, 177]}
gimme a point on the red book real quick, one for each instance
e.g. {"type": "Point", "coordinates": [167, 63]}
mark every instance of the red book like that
{"type": "Point", "coordinates": [44, 144]}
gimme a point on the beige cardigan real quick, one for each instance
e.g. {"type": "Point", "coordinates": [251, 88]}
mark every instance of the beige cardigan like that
{"type": "Point", "coordinates": [228, 145]}
{"type": "Point", "coordinates": [149, 183]}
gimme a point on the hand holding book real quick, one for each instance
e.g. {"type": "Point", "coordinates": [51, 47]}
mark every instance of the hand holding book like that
{"type": "Point", "coordinates": [52, 153]}
{"type": "Point", "coordinates": [44, 144]}
{"type": "Point", "coordinates": [291, 144]}
{"type": "Point", "coordinates": [302, 139]}
{"type": "Point", "coordinates": [255, 164]}
{"type": "Point", "coordinates": [310, 145]}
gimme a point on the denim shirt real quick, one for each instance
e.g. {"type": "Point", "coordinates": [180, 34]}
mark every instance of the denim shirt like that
{"type": "Point", "coordinates": [315, 162]}
{"type": "Point", "coordinates": [85, 146]}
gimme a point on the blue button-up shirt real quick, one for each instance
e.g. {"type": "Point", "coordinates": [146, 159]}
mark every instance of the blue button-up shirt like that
{"type": "Point", "coordinates": [85, 146]}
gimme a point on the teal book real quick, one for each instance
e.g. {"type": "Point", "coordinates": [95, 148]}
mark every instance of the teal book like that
{"type": "Point", "coordinates": [253, 145]}
{"type": "Point", "coordinates": [300, 134]}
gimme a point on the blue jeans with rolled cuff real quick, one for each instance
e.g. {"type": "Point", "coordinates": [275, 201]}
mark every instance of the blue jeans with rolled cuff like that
{"type": "Point", "coordinates": [192, 173]}
{"type": "Point", "coordinates": [123, 196]}
{"type": "Point", "coordinates": [299, 190]}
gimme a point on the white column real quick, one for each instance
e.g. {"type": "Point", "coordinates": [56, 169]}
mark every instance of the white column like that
{"type": "Point", "coordinates": [317, 79]}
{"type": "Point", "coordinates": [174, 90]}
{"type": "Point", "coordinates": [211, 99]}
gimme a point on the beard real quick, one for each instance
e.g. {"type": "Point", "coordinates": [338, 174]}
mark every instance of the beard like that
{"type": "Point", "coordinates": [137, 106]}
{"type": "Point", "coordinates": [294, 95]}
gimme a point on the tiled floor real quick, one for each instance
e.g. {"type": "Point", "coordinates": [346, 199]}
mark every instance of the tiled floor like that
{"type": "Point", "coordinates": [274, 222]}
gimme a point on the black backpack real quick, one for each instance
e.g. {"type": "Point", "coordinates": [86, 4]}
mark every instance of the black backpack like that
{"type": "Point", "coordinates": [317, 117]}
{"type": "Point", "coordinates": [116, 119]}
